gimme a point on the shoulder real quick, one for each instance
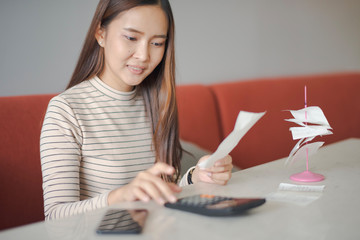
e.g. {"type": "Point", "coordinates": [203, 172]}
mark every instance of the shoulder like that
{"type": "Point", "coordinates": [62, 109]}
{"type": "Point", "coordinates": [83, 89]}
{"type": "Point", "coordinates": [77, 93]}
{"type": "Point", "coordinates": [64, 102]}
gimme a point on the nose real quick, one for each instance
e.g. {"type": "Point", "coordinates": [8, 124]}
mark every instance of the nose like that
{"type": "Point", "coordinates": [142, 52]}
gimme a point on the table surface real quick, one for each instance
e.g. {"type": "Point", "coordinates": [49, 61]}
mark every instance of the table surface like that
{"type": "Point", "coordinates": [333, 215]}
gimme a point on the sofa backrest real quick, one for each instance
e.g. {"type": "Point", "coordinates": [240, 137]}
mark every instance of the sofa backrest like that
{"type": "Point", "coordinates": [199, 120]}
{"type": "Point", "coordinates": [21, 200]}
{"type": "Point", "coordinates": [338, 95]}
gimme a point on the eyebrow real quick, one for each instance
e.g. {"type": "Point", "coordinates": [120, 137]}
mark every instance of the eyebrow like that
{"type": "Point", "coordinates": [137, 31]}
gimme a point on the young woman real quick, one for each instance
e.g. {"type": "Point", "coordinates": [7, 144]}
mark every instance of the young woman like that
{"type": "Point", "coordinates": [112, 136]}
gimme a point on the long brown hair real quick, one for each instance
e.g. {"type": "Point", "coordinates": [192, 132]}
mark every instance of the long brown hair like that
{"type": "Point", "coordinates": [158, 88]}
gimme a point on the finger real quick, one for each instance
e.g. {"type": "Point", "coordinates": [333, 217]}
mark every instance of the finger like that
{"type": "Point", "coordinates": [224, 161]}
{"type": "Point", "coordinates": [161, 168]}
{"type": "Point", "coordinates": [159, 190]}
{"type": "Point", "coordinates": [153, 191]}
{"type": "Point", "coordinates": [211, 179]}
{"type": "Point", "coordinates": [223, 168]}
{"type": "Point", "coordinates": [140, 194]}
{"type": "Point", "coordinates": [220, 182]}
{"type": "Point", "coordinates": [225, 176]}
{"type": "Point", "coordinates": [174, 187]}
{"type": "Point", "coordinates": [166, 190]}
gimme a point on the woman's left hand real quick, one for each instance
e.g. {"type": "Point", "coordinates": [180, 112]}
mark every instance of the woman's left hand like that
{"type": "Point", "coordinates": [220, 173]}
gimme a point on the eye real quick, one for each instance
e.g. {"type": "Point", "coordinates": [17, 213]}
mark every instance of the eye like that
{"type": "Point", "coordinates": [130, 38]}
{"type": "Point", "coordinates": [158, 44]}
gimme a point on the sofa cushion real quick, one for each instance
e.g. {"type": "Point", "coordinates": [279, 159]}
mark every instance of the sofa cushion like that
{"type": "Point", "coordinates": [21, 199]}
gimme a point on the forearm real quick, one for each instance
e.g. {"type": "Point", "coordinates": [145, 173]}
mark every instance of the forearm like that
{"type": "Point", "coordinates": [57, 210]}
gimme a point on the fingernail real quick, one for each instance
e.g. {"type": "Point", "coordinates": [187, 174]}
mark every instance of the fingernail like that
{"type": "Point", "coordinates": [161, 201]}
{"type": "Point", "coordinates": [172, 199]}
{"type": "Point", "coordinates": [209, 174]}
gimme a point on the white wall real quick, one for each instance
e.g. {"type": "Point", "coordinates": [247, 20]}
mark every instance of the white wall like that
{"type": "Point", "coordinates": [215, 40]}
{"type": "Point", "coordinates": [40, 42]}
{"type": "Point", "coordinates": [240, 39]}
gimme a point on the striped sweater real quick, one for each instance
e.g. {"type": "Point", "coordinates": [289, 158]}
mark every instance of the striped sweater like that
{"type": "Point", "coordinates": [94, 139]}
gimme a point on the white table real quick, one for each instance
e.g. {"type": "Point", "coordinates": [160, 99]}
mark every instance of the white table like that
{"type": "Point", "coordinates": [335, 215]}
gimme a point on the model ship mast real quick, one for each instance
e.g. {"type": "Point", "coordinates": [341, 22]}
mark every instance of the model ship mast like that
{"type": "Point", "coordinates": [312, 123]}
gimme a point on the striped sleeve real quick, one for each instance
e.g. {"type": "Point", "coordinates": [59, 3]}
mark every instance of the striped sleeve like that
{"type": "Point", "coordinates": [60, 150]}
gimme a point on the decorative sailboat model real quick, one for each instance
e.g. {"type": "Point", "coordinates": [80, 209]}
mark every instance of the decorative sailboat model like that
{"type": "Point", "coordinates": [312, 123]}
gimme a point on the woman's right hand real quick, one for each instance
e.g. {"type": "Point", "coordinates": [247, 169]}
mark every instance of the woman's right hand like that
{"type": "Point", "coordinates": [146, 186]}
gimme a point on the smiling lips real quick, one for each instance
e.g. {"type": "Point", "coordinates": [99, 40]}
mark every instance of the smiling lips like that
{"type": "Point", "coordinates": [136, 69]}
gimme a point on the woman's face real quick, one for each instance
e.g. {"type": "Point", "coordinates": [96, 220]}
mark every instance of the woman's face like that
{"type": "Point", "coordinates": [134, 44]}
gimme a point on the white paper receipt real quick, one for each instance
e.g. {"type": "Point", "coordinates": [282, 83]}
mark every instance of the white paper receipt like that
{"type": "Point", "coordinates": [300, 188]}
{"type": "Point", "coordinates": [244, 121]}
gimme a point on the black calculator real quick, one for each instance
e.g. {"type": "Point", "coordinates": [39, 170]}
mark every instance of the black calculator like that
{"type": "Point", "coordinates": [212, 205]}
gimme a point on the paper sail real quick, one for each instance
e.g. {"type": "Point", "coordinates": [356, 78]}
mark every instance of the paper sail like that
{"type": "Point", "coordinates": [312, 115]}
{"type": "Point", "coordinates": [319, 127]}
{"type": "Point", "coordinates": [309, 131]}
{"type": "Point", "coordinates": [312, 123]}
{"type": "Point", "coordinates": [309, 149]}
{"type": "Point", "coordinates": [297, 147]}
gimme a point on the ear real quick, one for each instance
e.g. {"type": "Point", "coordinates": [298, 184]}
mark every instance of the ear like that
{"type": "Point", "coordinates": [100, 36]}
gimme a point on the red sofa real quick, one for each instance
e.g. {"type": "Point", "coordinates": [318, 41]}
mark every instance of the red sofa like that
{"type": "Point", "coordinates": [207, 115]}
